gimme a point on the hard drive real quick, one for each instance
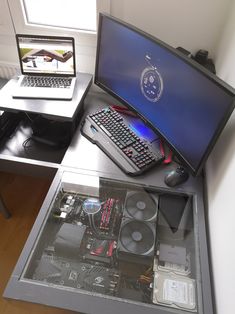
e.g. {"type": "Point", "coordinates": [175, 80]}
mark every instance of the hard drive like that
{"type": "Point", "coordinates": [174, 291]}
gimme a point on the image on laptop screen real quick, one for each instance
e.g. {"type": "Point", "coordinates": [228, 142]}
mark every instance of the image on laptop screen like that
{"type": "Point", "coordinates": [46, 55]}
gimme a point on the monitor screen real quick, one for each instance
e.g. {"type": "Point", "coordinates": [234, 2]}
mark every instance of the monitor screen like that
{"type": "Point", "coordinates": [40, 55]}
{"type": "Point", "coordinates": [184, 103]}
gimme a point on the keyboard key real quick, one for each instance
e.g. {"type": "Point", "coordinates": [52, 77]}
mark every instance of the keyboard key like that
{"type": "Point", "coordinates": [137, 151]}
{"type": "Point", "coordinates": [51, 82]}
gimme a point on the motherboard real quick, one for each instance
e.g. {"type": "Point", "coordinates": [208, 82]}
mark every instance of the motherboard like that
{"type": "Point", "coordinates": [118, 244]}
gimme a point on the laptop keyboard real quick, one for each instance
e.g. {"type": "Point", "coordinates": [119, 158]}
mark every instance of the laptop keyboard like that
{"type": "Point", "coordinates": [42, 81]}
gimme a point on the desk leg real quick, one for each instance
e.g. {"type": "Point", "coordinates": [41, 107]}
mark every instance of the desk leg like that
{"type": "Point", "coordinates": [3, 209]}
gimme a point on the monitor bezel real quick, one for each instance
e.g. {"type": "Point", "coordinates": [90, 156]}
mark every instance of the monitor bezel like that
{"type": "Point", "coordinates": [46, 37]}
{"type": "Point", "coordinates": [195, 171]}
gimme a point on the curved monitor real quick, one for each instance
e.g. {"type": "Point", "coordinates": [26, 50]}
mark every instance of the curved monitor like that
{"type": "Point", "coordinates": [183, 102]}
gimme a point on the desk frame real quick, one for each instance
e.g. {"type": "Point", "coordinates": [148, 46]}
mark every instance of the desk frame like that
{"type": "Point", "coordinates": [71, 162]}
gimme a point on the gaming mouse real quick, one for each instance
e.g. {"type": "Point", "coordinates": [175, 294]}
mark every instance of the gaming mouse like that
{"type": "Point", "coordinates": [176, 177]}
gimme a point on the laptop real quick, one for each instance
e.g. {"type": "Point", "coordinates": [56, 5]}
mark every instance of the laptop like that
{"type": "Point", "coordinates": [47, 65]}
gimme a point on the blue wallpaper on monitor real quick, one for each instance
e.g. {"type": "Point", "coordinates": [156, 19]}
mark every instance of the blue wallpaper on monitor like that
{"type": "Point", "coordinates": [179, 101]}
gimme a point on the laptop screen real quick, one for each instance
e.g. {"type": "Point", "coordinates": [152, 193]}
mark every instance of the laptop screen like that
{"type": "Point", "coordinates": [46, 55]}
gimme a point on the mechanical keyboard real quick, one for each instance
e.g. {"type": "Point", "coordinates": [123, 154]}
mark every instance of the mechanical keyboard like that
{"type": "Point", "coordinates": [110, 131]}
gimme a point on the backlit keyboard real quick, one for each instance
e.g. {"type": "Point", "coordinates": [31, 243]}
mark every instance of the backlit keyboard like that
{"type": "Point", "coordinates": [111, 133]}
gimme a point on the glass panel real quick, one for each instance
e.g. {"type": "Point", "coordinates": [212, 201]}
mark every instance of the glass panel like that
{"type": "Point", "coordinates": [122, 240]}
{"type": "Point", "coordinates": [76, 14]}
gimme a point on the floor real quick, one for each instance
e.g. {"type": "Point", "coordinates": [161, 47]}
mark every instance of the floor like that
{"type": "Point", "coordinates": [23, 196]}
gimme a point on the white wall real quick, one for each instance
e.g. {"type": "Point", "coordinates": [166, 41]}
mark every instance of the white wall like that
{"type": "Point", "coordinates": [187, 23]}
{"type": "Point", "coordinates": [221, 185]}
{"type": "Point", "coordinates": [8, 50]}
{"type": "Point", "coordinates": [225, 54]}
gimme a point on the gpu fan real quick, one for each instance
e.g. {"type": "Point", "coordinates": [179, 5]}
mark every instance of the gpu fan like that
{"type": "Point", "coordinates": [140, 205]}
{"type": "Point", "coordinates": [136, 241]}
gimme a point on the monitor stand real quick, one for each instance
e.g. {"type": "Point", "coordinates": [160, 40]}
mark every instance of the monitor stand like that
{"type": "Point", "coordinates": [176, 177]}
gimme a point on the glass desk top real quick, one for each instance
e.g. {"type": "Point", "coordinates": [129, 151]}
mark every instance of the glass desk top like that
{"type": "Point", "coordinates": [119, 240]}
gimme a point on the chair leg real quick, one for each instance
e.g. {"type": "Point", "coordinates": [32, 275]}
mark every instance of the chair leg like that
{"type": "Point", "coordinates": [4, 210]}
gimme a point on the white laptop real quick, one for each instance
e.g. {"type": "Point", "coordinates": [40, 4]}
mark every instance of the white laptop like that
{"type": "Point", "coordinates": [47, 65]}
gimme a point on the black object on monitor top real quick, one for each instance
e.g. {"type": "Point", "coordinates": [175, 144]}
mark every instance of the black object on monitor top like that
{"type": "Point", "coordinates": [182, 101]}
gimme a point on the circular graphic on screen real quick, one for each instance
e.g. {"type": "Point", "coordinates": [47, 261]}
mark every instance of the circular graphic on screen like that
{"type": "Point", "coordinates": [151, 84]}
